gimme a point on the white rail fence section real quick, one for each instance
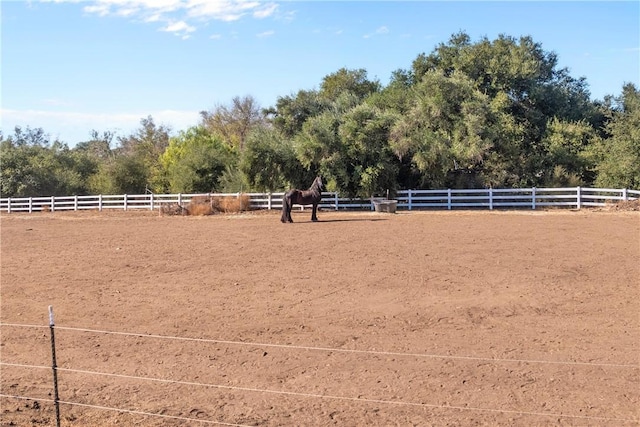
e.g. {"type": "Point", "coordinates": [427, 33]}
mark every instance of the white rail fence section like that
{"type": "Point", "coordinates": [520, 198]}
{"type": "Point", "coordinates": [56, 401]}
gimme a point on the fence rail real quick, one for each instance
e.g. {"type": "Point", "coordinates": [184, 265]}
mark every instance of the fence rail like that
{"type": "Point", "coordinates": [491, 198]}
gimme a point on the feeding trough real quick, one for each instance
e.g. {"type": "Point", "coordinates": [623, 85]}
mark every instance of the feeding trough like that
{"type": "Point", "coordinates": [385, 205]}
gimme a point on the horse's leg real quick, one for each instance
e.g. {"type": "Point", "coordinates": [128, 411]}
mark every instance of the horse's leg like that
{"type": "Point", "coordinates": [314, 217]}
{"type": "Point", "coordinates": [289, 207]}
{"type": "Point", "coordinates": [283, 217]}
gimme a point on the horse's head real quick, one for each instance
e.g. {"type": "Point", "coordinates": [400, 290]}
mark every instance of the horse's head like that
{"type": "Point", "coordinates": [317, 183]}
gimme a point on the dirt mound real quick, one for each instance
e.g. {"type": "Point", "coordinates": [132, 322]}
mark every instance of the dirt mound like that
{"type": "Point", "coordinates": [629, 205]}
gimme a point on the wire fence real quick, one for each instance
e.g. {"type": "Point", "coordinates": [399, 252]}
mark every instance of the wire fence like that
{"type": "Point", "coordinates": [56, 401]}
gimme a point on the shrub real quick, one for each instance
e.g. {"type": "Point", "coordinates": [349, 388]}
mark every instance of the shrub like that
{"type": "Point", "coordinates": [209, 205]}
{"type": "Point", "coordinates": [234, 204]}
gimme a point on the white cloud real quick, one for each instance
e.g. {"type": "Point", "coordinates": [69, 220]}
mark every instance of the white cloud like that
{"type": "Point", "coordinates": [266, 11]}
{"type": "Point", "coordinates": [156, 17]}
{"type": "Point", "coordinates": [266, 34]}
{"type": "Point", "coordinates": [99, 9]}
{"type": "Point", "coordinates": [53, 102]}
{"type": "Point", "coordinates": [190, 12]}
{"type": "Point", "coordinates": [227, 10]}
{"type": "Point", "coordinates": [379, 31]}
{"type": "Point", "coordinates": [179, 28]}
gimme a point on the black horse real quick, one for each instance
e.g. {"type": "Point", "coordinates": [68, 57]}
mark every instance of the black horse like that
{"type": "Point", "coordinates": [311, 196]}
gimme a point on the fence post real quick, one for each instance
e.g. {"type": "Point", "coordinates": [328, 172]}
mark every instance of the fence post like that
{"type": "Point", "coordinates": [180, 199]}
{"type": "Point", "coordinates": [490, 198]}
{"type": "Point", "coordinates": [410, 202]}
{"type": "Point", "coordinates": [336, 198]}
{"type": "Point", "coordinates": [625, 196]}
{"type": "Point", "coordinates": [100, 203]}
{"type": "Point", "coordinates": [53, 204]}
{"type": "Point", "coordinates": [449, 198]}
{"type": "Point", "coordinates": [151, 202]}
{"type": "Point", "coordinates": [533, 198]}
{"type": "Point", "coordinates": [125, 201]}
{"type": "Point", "coordinates": [9, 205]}
{"type": "Point", "coordinates": [75, 202]}
{"type": "Point", "coordinates": [54, 367]}
{"type": "Point", "coordinates": [578, 198]}
{"type": "Point", "coordinates": [30, 204]}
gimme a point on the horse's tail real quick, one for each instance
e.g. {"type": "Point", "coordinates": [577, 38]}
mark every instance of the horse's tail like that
{"type": "Point", "coordinates": [286, 207]}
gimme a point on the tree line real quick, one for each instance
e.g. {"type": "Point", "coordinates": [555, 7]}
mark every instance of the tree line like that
{"type": "Point", "coordinates": [490, 113]}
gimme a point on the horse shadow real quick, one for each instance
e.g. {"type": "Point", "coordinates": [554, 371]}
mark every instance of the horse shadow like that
{"type": "Point", "coordinates": [345, 220]}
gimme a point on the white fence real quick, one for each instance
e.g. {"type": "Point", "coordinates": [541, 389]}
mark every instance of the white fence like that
{"type": "Point", "coordinates": [518, 198]}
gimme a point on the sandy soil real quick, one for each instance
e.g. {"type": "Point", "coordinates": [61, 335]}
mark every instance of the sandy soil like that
{"type": "Point", "coordinates": [424, 318]}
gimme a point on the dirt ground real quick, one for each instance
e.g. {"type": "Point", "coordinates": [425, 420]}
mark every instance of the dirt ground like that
{"type": "Point", "coordinates": [424, 318]}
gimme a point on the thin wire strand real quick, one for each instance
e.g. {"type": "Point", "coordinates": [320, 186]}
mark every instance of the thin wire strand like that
{"type": "Point", "coordinates": [331, 349]}
{"type": "Point", "coordinates": [343, 350]}
{"type": "Point", "coordinates": [19, 325]}
{"type": "Point", "coordinates": [20, 365]}
{"type": "Point", "coordinates": [346, 398]}
{"type": "Point", "coordinates": [128, 411]}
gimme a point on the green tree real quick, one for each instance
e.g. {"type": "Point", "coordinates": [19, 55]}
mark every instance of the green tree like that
{"type": "Point", "coordinates": [566, 163]}
{"type": "Point", "coordinates": [448, 129]}
{"type": "Point", "coordinates": [618, 156]}
{"type": "Point", "coordinates": [269, 161]}
{"type": "Point", "coordinates": [348, 144]}
{"type": "Point", "coordinates": [134, 166]}
{"type": "Point", "coordinates": [344, 80]}
{"type": "Point", "coordinates": [234, 123]}
{"type": "Point", "coordinates": [195, 162]}
{"type": "Point", "coordinates": [31, 165]}
{"type": "Point", "coordinates": [372, 165]}
{"type": "Point", "coordinates": [526, 92]}
{"type": "Point", "coordinates": [291, 112]}
{"type": "Point", "coordinates": [99, 146]}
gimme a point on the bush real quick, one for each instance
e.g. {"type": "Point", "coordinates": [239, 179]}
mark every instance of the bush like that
{"type": "Point", "coordinates": [209, 205]}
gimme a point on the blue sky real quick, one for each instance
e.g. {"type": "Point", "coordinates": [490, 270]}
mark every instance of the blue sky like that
{"type": "Point", "coordinates": [73, 66]}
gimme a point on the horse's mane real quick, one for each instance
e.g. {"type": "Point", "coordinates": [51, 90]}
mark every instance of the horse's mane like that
{"type": "Point", "coordinates": [316, 186]}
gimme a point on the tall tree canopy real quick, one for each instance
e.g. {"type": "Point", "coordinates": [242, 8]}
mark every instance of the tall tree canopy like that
{"type": "Point", "coordinates": [618, 157]}
{"type": "Point", "coordinates": [485, 113]}
{"type": "Point", "coordinates": [234, 123]}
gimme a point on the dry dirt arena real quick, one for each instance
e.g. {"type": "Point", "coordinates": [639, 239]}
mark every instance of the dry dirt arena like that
{"type": "Point", "coordinates": [363, 319]}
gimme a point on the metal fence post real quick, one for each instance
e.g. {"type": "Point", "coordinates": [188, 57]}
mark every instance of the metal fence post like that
{"type": "Point", "coordinates": [54, 367]}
